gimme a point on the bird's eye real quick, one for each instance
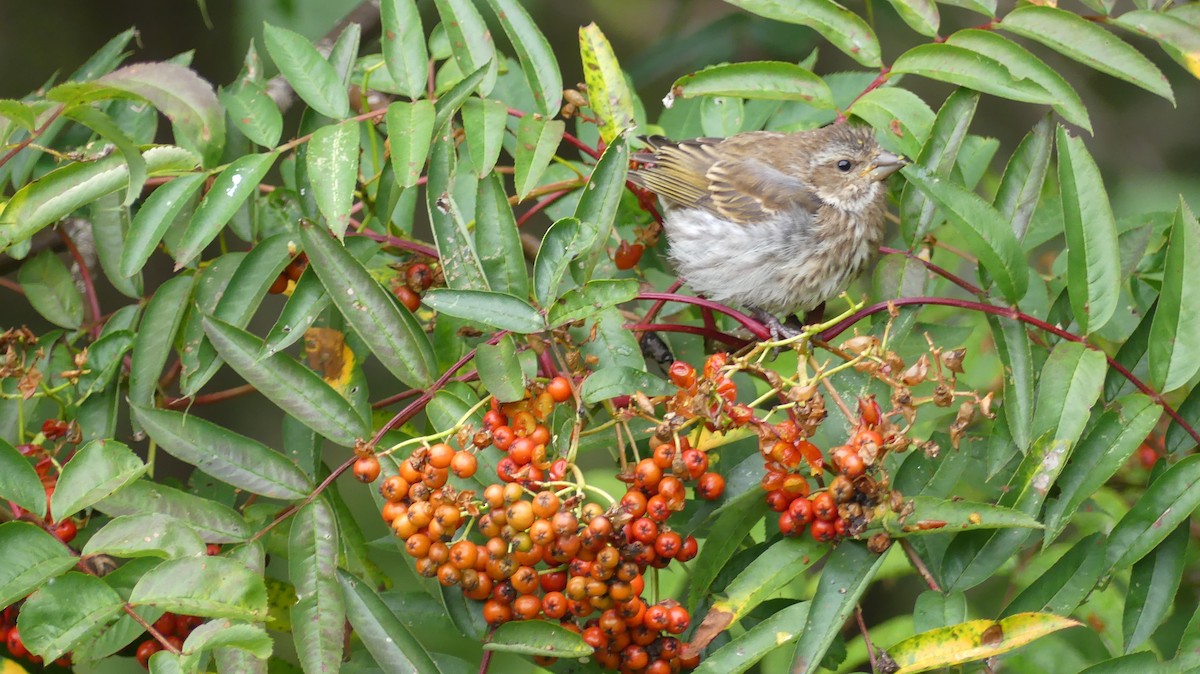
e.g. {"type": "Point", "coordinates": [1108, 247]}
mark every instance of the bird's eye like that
{"type": "Point", "coordinates": [844, 165]}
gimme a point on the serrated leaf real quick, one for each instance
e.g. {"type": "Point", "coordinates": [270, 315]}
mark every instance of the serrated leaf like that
{"type": "Point", "coordinates": [390, 643]}
{"type": "Point", "coordinates": [293, 387]}
{"type": "Point", "coordinates": [333, 171]}
{"type": "Point", "coordinates": [590, 299]}
{"type": "Point", "coordinates": [835, 23]}
{"type": "Point", "coordinates": [598, 204]}
{"type": "Point", "coordinates": [155, 336]}
{"type": "Point", "coordinates": [901, 114]}
{"type": "Point", "coordinates": [500, 371]}
{"type": "Point", "coordinates": [1075, 37]}
{"type": "Point", "coordinates": [225, 634]}
{"type": "Point", "coordinates": [1166, 503]}
{"type": "Point", "coordinates": [1093, 262]}
{"type": "Point", "coordinates": [920, 15]}
{"type": "Point", "coordinates": [989, 236]}
{"type": "Point", "coordinates": [319, 614]}
{"type": "Point", "coordinates": [770, 80]}
{"type": "Point", "coordinates": [1175, 333]}
{"type": "Point", "coordinates": [537, 637]}
{"type": "Point", "coordinates": [1177, 37]}
{"type": "Point", "coordinates": [404, 46]}
{"type": "Point", "coordinates": [498, 240]}
{"type": "Point", "coordinates": [64, 612]}
{"type": "Point", "coordinates": [742, 652]}
{"type": "Point", "coordinates": [848, 572]}
{"type": "Point", "coordinates": [229, 191]}
{"type": "Point", "coordinates": [145, 535]}
{"type": "Point", "coordinates": [154, 217]}
{"type": "Point", "coordinates": [449, 102]}
{"type": "Point", "coordinates": [390, 332]}
{"type": "Point", "coordinates": [214, 522]}
{"type": "Point", "coordinates": [537, 142]}
{"type": "Point", "coordinates": [19, 482]}
{"type": "Point", "coordinates": [950, 63]}
{"type": "Point", "coordinates": [566, 239]}
{"type": "Point", "coordinates": [484, 123]}
{"type": "Point", "coordinates": [932, 515]}
{"type": "Point", "coordinates": [470, 40]}
{"type": "Point", "coordinates": [608, 93]}
{"type": "Point", "coordinates": [110, 229]}
{"type": "Point", "coordinates": [611, 382]}
{"type": "Point", "coordinates": [214, 587]}
{"type": "Point", "coordinates": [51, 289]}
{"type": "Point", "coordinates": [1023, 64]}
{"type": "Point", "coordinates": [493, 309]}
{"type": "Point", "coordinates": [767, 574]}
{"type": "Point", "coordinates": [1067, 583]}
{"type": "Point", "coordinates": [410, 131]}
{"type": "Point", "coordinates": [181, 96]}
{"type": "Point", "coordinates": [253, 112]}
{"type": "Point", "coordinates": [534, 53]}
{"type": "Point", "coordinates": [1153, 584]}
{"type": "Point", "coordinates": [97, 470]}
{"type": "Point", "coordinates": [1015, 351]}
{"type": "Point", "coordinates": [106, 127]}
{"type": "Point", "coordinates": [1021, 186]}
{"type": "Point", "coordinates": [939, 155]}
{"type": "Point", "coordinates": [725, 536]}
{"type": "Point", "coordinates": [312, 77]}
{"type": "Point", "coordinates": [236, 459]}
{"type": "Point", "coordinates": [460, 263]}
{"type": "Point", "coordinates": [31, 557]}
{"type": "Point", "coordinates": [973, 640]}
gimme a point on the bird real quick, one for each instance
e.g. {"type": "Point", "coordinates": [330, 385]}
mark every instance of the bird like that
{"type": "Point", "coordinates": [774, 222]}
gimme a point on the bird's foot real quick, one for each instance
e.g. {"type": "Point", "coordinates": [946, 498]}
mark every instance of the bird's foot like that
{"type": "Point", "coordinates": [779, 330]}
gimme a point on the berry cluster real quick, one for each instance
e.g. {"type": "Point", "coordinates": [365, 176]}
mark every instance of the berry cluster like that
{"type": "Point", "coordinates": [538, 550]}
{"type": "Point", "coordinates": [174, 627]}
{"type": "Point", "coordinates": [289, 275]}
{"type": "Point", "coordinates": [47, 463]}
{"type": "Point", "coordinates": [11, 636]}
{"type": "Point", "coordinates": [418, 277]}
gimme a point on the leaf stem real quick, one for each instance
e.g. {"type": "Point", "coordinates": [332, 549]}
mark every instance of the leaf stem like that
{"type": "Point", "coordinates": [85, 275]}
{"type": "Point", "coordinates": [919, 565]}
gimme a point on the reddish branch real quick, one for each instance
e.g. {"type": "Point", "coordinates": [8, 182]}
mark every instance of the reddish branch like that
{"type": "Point", "coordinates": [89, 287]}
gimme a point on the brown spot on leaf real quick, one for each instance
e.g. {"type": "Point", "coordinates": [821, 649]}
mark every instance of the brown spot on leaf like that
{"type": "Point", "coordinates": [715, 622]}
{"type": "Point", "coordinates": [992, 635]}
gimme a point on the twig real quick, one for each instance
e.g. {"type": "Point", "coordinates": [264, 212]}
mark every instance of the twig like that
{"type": "Point", "coordinates": [294, 508]}
{"type": "Point", "coordinates": [940, 271]}
{"type": "Point", "coordinates": [537, 208]}
{"type": "Point", "coordinates": [85, 275]}
{"type": "Point", "coordinates": [210, 398]}
{"type": "Point", "coordinates": [919, 565]}
{"type": "Point", "coordinates": [757, 329]}
{"type": "Point", "coordinates": [32, 137]}
{"type": "Point", "coordinates": [12, 285]}
{"type": "Point", "coordinates": [734, 342]}
{"type": "Point", "coordinates": [862, 627]}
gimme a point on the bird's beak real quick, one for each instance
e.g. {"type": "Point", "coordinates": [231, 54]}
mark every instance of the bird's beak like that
{"type": "Point", "coordinates": [885, 164]}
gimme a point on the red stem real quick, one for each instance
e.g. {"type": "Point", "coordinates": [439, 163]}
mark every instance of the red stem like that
{"type": "Point", "coordinates": [879, 81]}
{"type": "Point", "coordinates": [537, 207]}
{"type": "Point", "coordinates": [32, 137]}
{"type": "Point", "coordinates": [688, 329]}
{"type": "Point", "coordinates": [89, 288]}
{"type": "Point", "coordinates": [396, 242]}
{"type": "Point", "coordinates": [940, 271]}
{"type": "Point", "coordinates": [757, 329]}
{"type": "Point", "coordinates": [1016, 315]}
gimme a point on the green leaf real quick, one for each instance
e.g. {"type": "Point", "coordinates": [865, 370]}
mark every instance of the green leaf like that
{"type": "Point", "coordinates": [484, 123]}
{"type": "Point", "coordinates": [973, 640]}
{"type": "Point", "coordinates": [1166, 503]}
{"type": "Point", "coordinates": [619, 380]}
{"type": "Point", "coordinates": [1175, 332]}
{"type": "Point", "coordinates": [311, 76]}
{"type": "Point", "coordinates": [934, 609]}
{"type": "Point", "coordinates": [724, 538]}
{"type": "Point", "coordinates": [932, 515]}
{"type": "Point", "coordinates": [108, 129]}
{"type": "Point", "coordinates": [235, 459]}
{"type": "Point", "coordinates": [294, 388]}
{"type": "Point", "coordinates": [950, 63]}
{"type": "Point", "coordinates": [743, 651]}
{"type": "Point", "coordinates": [1153, 584]}
{"type": "Point", "coordinates": [920, 15]}
{"type": "Point", "coordinates": [154, 217]}
{"type": "Point", "coordinates": [1071, 381]}
{"type": "Point", "coordinates": [1093, 262]}
{"type": "Point", "coordinates": [98, 469]}
{"type": "Point", "coordinates": [30, 558]}
{"type": "Point", "coordinates": [390, 643]}
{"type": "Point", "coordinates": [155, 336]}
{"type": "Point", "coordinates": [410, 131]}
{"type": "Point", "coordinates": [181, 96]}
{"type": "Point", "coordinates": [497, 310]}
{"type": "Point", "coordinates": [460, 263]}
{"type": "Point", "coordinates": [214, 522]}
{"type": "Point", "coordinates": [847, 574]}
{"type": "Point", "coordinates": [988, 235]}
{"type": "Point", "coordinates": [537, 59]}
{"type": "Point", "coordinates": [390, 331]}
{"type": "Point", "coordinates": [1130, 353]}
{"type": "Point", "coordinates": [608, 93]}
{"type": "Point", "coordinates": [566, 239]}
{"type": "Point", "coordinates": [449, 102]}
{"type": "Point", "coordinates": [1075, 37]}
{"type": "Point", "coordinates": [835, 23]}
{"type": "Point", "coordinates": [901, 114]}
{"type": "Point", "coordinates": [229, 191]}
{"type": "Point", "coordinates": [51, 289]}
{"type": "Point", "coordinates": [500, 370]}
{"type": "Point", "coordinates": [19, 482]}
{"type": "Point", "coordinates": [1013, 346]}
{"type": "Point", "coordinates": [64, 612]}
{"type": "Point", "coordinates": [1066, 584]}
{"type": "Point", "coordinates": [404, 46]}
{"type": "Point", "coordinates": [498, 240]}
{"type": "Point", "coordinates": [110, 229]}
{"type": "Point", "coordinates": [333, 171]}
{"type": "Point", "coordinates": [214, 587]}
{"type": "Point", "coordinates": [770, 80]}
{"type": "Point", "coordinates": [1108, 445]}
{"type": "Point", "coordinates": [147, 535]}
{"type": "Point", "coordinates": [470, 41]}
{"type": "Point", "coordinates": [537, 142]}
{"type": "Point", "coordinates": [1023, 64]}
{"type": "Point", "coordinates": [319, 614]}
{"type": "Point", "coordinates": [938, 155]}
{"type": "Point", "coordinates": [1177, 37]}
{"type": "Point", "coordinates": [598, 204]}
{"type": "Point", "coordinates": [767, 574]}
{"type": "Point", "coordinates": [537, 637]}
{"type": "Point", "coordinates": [225, 634]}
{"type": "Point", "coordinates": [105, 356]}
{"type": "Point", "coordinates": [1021, 187]}
{"type": "Point", "coordinates": [590, 299]}
{"type": "Point", "coordinates": [253, 112]}
{"type": "Point", "coordinates": [1177, 439]}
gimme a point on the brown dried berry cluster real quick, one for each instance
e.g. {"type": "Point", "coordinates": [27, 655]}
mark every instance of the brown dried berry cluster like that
{"type": "Point", "coordinates": [536, 549]}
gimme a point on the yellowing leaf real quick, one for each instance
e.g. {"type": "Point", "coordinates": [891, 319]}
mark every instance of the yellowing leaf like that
{"type": "Point", "coordinates": [973, 640]}
{"type": "Point", "coordinates": [608, 94]}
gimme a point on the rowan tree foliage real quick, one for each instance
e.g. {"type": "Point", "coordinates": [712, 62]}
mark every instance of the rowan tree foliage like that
{"type": "Point", "coordinates": [432, 274]}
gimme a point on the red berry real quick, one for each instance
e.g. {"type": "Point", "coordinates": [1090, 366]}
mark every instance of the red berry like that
{"type": "Point", "coordinates": [559, 389]}
{"type": "Point", "coordinates": [145, 650]}
{"type": "Point", "coordinates": [419, 276]}
{"type": "Point", "coordinates": [65, 530]}
{"type": "Point", "coordinates": [279, 285]}
{"type": "Point", "coordinates": [823, 530]}
{"type": "Point", "coordinates": [801, 510]}
{"type": "Point", "coordinates": [628, 255]}
{"type": "Point", "coordinates": [710, 486]}
{"type": "Point", "coordinates": [682, 374]}
{"type": "Point", "coordinates": [366, 469]}
{"type": "Point", "coordinates": [824, 507]}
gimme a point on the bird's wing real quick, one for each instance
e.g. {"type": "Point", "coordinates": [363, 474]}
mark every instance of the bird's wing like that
{"type": "Point", "coordinates": [741, 188]}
